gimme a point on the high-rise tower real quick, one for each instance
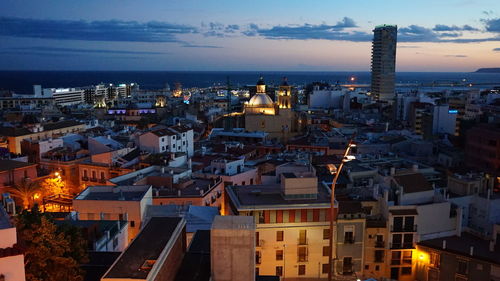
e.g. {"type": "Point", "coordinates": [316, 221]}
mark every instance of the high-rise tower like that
{"type": "Point", "coordinates": [384, 62]}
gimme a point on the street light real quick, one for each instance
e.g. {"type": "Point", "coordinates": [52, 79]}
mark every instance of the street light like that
{"type": "Point", "coordinates": [345, 158]}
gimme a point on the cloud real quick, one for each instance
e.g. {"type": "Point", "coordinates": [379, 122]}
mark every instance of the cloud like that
{"type": "Point", "coordinates": [190, 45]}
{"type": "Point", "coordinates": [110, 30]}
{"type": "Point", "coordinates": [77, 50]}
{"type": "Point", "coordinates": [408, 47]}
{"type": "Point", "coordinates": [312, 31]}
{"type": "Point", "coordinates": [492, 25]}
{"type": "Point", "coordinates": [496, 50]}
{"type": "Point", "coordinates": [456, 56]}
{"type": "Point", "coordinates": [345, 23]}
{"type": "Point", "coordinates": [442, 27]}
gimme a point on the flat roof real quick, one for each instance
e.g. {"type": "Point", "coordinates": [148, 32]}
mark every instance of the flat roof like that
{"type": "Point", "coordinates": [6, 165]}
{"type": "Point", "coordinates": [148, 245]}
{"type": "Point", "coordinates": [403, 212]}
{"type": "Point", "coordinates": [270, 196]}
{"type": "Point", "coordinates": [114, 193]}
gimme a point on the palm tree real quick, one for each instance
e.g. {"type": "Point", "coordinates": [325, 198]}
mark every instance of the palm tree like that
{"type": "Point", "coordinates": [25, 191]}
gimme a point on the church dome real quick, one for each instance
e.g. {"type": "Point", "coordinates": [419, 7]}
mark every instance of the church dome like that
{"type": "Point", "coordinates": [260, 100]}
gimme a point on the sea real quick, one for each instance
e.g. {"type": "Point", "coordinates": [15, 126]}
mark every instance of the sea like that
{"type": "Point", "coordinates": [22, 81]}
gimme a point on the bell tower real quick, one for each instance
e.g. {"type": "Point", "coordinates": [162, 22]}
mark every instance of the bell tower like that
{"type": "Point", "coordinates": [285, 94]}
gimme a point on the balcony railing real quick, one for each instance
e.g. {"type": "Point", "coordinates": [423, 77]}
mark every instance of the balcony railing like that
{"type": "Point", "coordinates": [406, 228]}
{"type": "Point", "coordinates": [85, 178]}
{"type": "Point", "coordinates": [407, 245]}
{"type": "Point", "coordinates": [93, 180]}
{"type": "Point", "coordinates": [302, 258]}
{"type": "Point", "coordinates": [349, 240]}
{"type": "Point", "coordinates": [379, 244]}
{"type": "Point", "coordinates": [102, 180]}
{"type": "Point", "coordinates": [303, 241]}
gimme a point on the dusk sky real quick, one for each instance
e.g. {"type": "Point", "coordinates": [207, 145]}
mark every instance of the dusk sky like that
{"type": "Point", "coordinates": [319, 35]}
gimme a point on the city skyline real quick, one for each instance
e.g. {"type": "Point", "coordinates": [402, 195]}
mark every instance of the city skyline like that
{"type": "Point", "coordinates": [222, 35]}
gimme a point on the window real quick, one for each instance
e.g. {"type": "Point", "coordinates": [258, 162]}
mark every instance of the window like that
{"type": "Point", "coordinates": [408, 241]}
{"type": "Point", "coordinates": [261, 217]}
{"type": "Point", "coordinates": [409, 223]}
{"type": "Point", "coordinates": [462, 267]}
{"type": "Point", "coordinates": [325, 268]}
{"type": "Point", "coordinates": [397, 241]}
{"type": "Point", "coordinates": [258, 257]}
{"type": "Point", "coordinates": [367, 267]}
{"type": "Point", "coordinates": [326, 234]}
{"type": "Point", "coordinates": [302, 269]}
{"type": "Point", "coordinates": [349, 234]}
{"type": "Point", "coordinates": [279, 255]}
{"type": "Point", "coordinates": [379, 255]}
{"type": "Point", "coordinates": [279, 271]}
{"type": "Point", "coordinates": [279, 235]}
{"type": "Point", "coordinates": [94, 175]}
{"type": "Point", "coordinates": [132, 223]}
{"type": "Point", "coordinates": [396, 258]}
{"type": "Point", "coordinates": [302, 237]}
{"type": "Point", "coordinates": [25, 173]}
{"type": "Point", "coordinates": [434, 259]}
{"type": "Point", "coordinates": [406, 271]}
{"type": "Point", "coordinates": [243, 183]}
{"type": "Point", "coordinates": [377, 267]}
{"type": "Point", "coordinates": [407, 257]}
{"type": "Point", "coordinates": [302, 254]}
{"type": "Point", "coordinates": [257, 240]}
{"type": "Point", "coordinates": [326, 251]}
{"type": "Point", "coordinates": [102, 175]}
{"type": "Point", "coordinates": [251, 181]}
{"type": "Point", "coordinates": [85, 173]}
{"type": "Point", "coordinates": [398, 223]}
{"type": "Point", "coordinates": [256, 271]}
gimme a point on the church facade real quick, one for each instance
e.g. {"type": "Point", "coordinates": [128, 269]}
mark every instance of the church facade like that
{"type": "Point", "coordinates": [274, 117]}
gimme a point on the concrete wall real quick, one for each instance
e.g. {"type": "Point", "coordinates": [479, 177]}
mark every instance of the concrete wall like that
{"type": "Point", "coordinates": [12, 267]}
{"type": "Point", "coordinates": [434, 218]}
{"type": "Point", "coordinates": [233, 248]}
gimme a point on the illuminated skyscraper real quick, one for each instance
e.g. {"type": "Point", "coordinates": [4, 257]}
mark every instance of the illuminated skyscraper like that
{"type": "Point", "coordinates": [384, 62]}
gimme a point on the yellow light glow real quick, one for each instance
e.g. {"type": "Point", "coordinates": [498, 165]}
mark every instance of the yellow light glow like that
{"type": "Point", "coordinates": [36, 196]}
{"type": "Point", "coordinates": [421, 257]}
{"type": "Point", "coordinates": [56, 174]}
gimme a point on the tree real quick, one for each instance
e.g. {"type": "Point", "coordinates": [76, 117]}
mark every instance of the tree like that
{"type": "Point", "coordinates": [49, 252]}
{"type": "Point", "coordinates": [53, 186]}
{"type": "Point", "coordinates": [25, 191]}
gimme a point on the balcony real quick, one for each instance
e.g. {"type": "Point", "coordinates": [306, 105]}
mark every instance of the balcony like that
{"type": "Point", "coordinates": [260, 243]}
{"type": "Point", "coordinates": [93, 180]}
{"type": "Point", "coordinates": [102, 180]}
{"type": "Point", "coordinates": [302, 241]}
{"type": "Point", "coordinates": [349, 240]}
{"type": "Point", "coordinates": [379, 244]}
{"type": "Point", "coordinates": [407, 245]}
{"type": "Point", "coordinates": [85, 178]}
{"type": "Point", "coordinates": [406, 228]}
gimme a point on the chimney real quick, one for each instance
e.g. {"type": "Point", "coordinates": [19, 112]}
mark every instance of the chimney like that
{"type": "Point", "coordinates": [444, 244]}
{"type": "Point", "coordinates": [471, 251]}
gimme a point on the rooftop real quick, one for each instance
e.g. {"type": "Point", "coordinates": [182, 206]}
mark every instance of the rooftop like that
{"type": "Point", "coordinates": [147, 246]}
{"type": "Point", "coordinates": [6, 165]}
{"type": "Point", "coordinates": [256, 197]}
{"type": "Point", "coordinates": [114, 193]}
{"type": "Point", "coordinates": [413, 183]}
{"type": "Point", "coordinates": [196, 263]}
{"type": "Point", "coordinates": [460, 245]}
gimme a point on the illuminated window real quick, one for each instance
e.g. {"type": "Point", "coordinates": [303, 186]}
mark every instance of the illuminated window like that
{"type": "Point", "coordinates": [279, 255]}
{"type": "Point", "coordinates": [279, 235]}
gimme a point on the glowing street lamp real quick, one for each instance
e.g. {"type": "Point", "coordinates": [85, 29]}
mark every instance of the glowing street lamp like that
{"type": "Point", "coordinates": [345, 158]}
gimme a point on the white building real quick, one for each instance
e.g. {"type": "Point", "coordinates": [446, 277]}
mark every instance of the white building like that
{"type": "Point", "coordinates": [11, 256]}
{"type": "Point", "coordinates": [62, 96]}
{"type": "Point", "coordinates": [173, 139]}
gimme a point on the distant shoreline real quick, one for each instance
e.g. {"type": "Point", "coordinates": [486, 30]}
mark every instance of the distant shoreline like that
{"type": "Point", "coordinates": [489, 70]}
